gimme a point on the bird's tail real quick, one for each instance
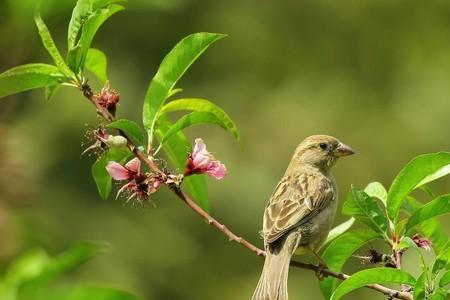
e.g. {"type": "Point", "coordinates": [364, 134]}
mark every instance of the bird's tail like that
{"type": "Point", "coordinates": [272, 284]}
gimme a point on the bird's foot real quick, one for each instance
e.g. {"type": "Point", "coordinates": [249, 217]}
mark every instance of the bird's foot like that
{"type": "Point", "coordinates": [319, 271]}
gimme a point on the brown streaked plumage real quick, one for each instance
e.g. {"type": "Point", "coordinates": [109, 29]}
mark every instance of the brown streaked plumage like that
{"type": "Point", "coordinates": [300, 211]}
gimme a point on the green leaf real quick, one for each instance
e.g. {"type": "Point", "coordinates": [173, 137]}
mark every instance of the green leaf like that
{"type": "Point", "coordinates": [377, 190]}
{"type": "Point", "coordinates": [96, 62]}
{"type": "Point", "coordinates": [131, 129]}
{"type": "Point", "coordinates": [419, 287]}
{"type": "Point", "coordinates": [194, 118]}
{"type": "Point", "coordinates": [417, 172]}
{"type": "Point", "coordinates": [365, 209]}
{"type": "Point", "coordinates": [202, 105]}
{"type": "Point", "coordinates": [101, 176]}
{"type": "Point", "coordinates": [87, 292]}
{"type": "Point", "coordinates": [434, 208]}
{"type": "Point", "coordinates": [442, 260]}
{"type": "Point", "coordinates": [28, 77]}
{"type": "Point", "coordinates": [431, 228]}
{"type": "Point", "coordinates": [445, 279]}
{"type": "Point", "coordinates": [177, 149]}
{"type": "Point", "coordinates": [372, 276]}
{"type": "Point", "coordinates": [338, 230]}
{"type": "Point", "coordinates": [339, 251]}
{"type": "Point", "coordinates": [173, 92]}
{"type": "Point", "coordinates": [172, 68]}
{"type": "Point", "coordinates": [440, 294]}
{"type": "Point", "coordinates": [90, 17]}
{"type": "Point", "coordinates": [50, 91]}
{"type": "Point", "coordinates": [49, 44]}
{"type": "Point", "coordinates": [63, 263]}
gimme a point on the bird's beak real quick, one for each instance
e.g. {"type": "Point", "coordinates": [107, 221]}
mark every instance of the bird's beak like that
{"type": "Point", "coordinates": [343, 150]}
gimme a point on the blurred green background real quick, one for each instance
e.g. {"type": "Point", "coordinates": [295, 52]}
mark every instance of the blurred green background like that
{"type": "Point", "coordinates": [375, 74]}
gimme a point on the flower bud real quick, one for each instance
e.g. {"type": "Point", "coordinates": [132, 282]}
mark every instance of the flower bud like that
{"type": "Point", "coordinates": [116, 141]}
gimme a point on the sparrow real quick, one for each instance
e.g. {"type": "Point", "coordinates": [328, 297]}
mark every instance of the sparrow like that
{"type": "Point", "coordinates": [300, 212]}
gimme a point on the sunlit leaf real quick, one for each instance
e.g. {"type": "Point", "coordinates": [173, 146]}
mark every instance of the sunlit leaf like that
{"type": "Point", "coordinates": [191, 119]}
{"type": "Point", "coordinates": [445, 279]}
{"type": "Point", "coordinates": [418, 171]}
{"type": "Point", "coordinates": [365, 209]}
{"type": "Point", "coordinates": [96, 62]}
{"type": "Point", "coordinates": [101, 176]}
{"type": "Point", "coordinates": [177, 149]}
{"type": "Point", "coordinates": [87, 17]}
{"type": "Point", "coordinates": [371, 276]}
{"type": "Point", "coordinates": [202, 105]}
{"type": "Point", "coordinates": [339, 251]}
{"type": "Point", "coordinates": [437, 207]}
{"type": "Point", "coordinates": [28, 77]}
{"type": "Point", "coordinates": [377, 190]}
{"type": "Point", "coordinates": [338, 230]}
{"type": "Point", "coordinates": [131, 129]}
{"type": "Point", "coordinates": [172, 68]}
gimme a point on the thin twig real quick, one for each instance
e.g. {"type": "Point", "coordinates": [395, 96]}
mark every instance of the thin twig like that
{"type": "Point", "coordinates": [87, 92]}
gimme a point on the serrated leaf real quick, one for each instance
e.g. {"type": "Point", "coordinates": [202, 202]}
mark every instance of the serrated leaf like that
{"type": "Point", "coordinates": [339, 251]}
{"type": "Point", "coordinates": [203, 105]}
{"type": "Point", "coordinates": [372, 276]}
{"type": "Point", "coordinates": [28, 77]}
{"type": "Point", "coordinates": [366, 210]}
{"type": "Point", "coordinates": [338, 230]}
{"type": "Point", "coordinates": [377, 190]}
{"type": "Point", "coordinates": [177, 149]}
{"type": "Point", "coordinates": [101, 176]}
{"type": "Point", "coordinates": [434, 208]}
{"type": "Point", "coordinates": [96, 62]}
{"type": "Point", "coordinates": [172, 68]}
{"type": "Point", "coordinates": [50, 45]}
{"type": "Point", "coordinates": [422, 169]}
{"type": "Point", "coordinates": [131, 129]}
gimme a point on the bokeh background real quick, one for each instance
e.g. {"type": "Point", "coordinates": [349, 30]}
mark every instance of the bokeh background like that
{"type": "Point", "coordinates": [373, 73]}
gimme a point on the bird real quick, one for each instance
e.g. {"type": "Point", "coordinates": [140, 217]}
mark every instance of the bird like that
{"type": "Point", "coordinates": [300, 212]}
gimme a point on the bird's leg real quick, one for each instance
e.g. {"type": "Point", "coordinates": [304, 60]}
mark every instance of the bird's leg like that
{"type": "Point", "coordinates": [321, 264]}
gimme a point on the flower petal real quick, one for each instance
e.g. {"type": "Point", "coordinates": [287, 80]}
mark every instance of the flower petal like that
{"type": "Point", "coordinates": [199, 147]}
{"type": "Point", "coordinates": [134, 165]}
{"type": "Point", "coordinates": [117, 171]}
{"type": "Point", "coordinates": [216, 170]}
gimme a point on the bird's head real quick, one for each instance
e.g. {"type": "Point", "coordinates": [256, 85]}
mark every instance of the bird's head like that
{"type": "Point", "coordinates": [321, 151]}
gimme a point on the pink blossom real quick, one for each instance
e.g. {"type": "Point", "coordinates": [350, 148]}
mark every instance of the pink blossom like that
{"type": "Point", "coordinates": [201, 161]}
{"type": "Point", "coordinates": [139, 186]}
{"type": "Point", "coordinates": [422, 242]}
{"type": "Point", "coordinates": [127, 172]}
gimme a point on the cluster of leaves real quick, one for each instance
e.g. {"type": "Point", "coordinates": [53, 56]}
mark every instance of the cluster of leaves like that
{"type": "Point", "coordinates": [29, 277]}
{"type": "Point", "coordinates": [395, 217]}
{"type": "Point", "coordinates": [87, 17]}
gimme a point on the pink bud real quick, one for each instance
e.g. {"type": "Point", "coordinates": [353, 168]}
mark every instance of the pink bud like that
{"type": "Point", "coordinates": [422, 242]}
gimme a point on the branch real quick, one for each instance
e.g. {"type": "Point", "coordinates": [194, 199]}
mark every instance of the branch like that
{"type": "Point", "coordinates": [87, 92]}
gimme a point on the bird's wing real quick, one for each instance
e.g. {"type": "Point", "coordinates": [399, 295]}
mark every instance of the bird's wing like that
{"type": "Point", "coordinates": [295, 200]}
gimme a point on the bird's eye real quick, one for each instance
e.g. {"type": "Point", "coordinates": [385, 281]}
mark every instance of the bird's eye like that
{"type": "Point", "coordinates": [323, 146]}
